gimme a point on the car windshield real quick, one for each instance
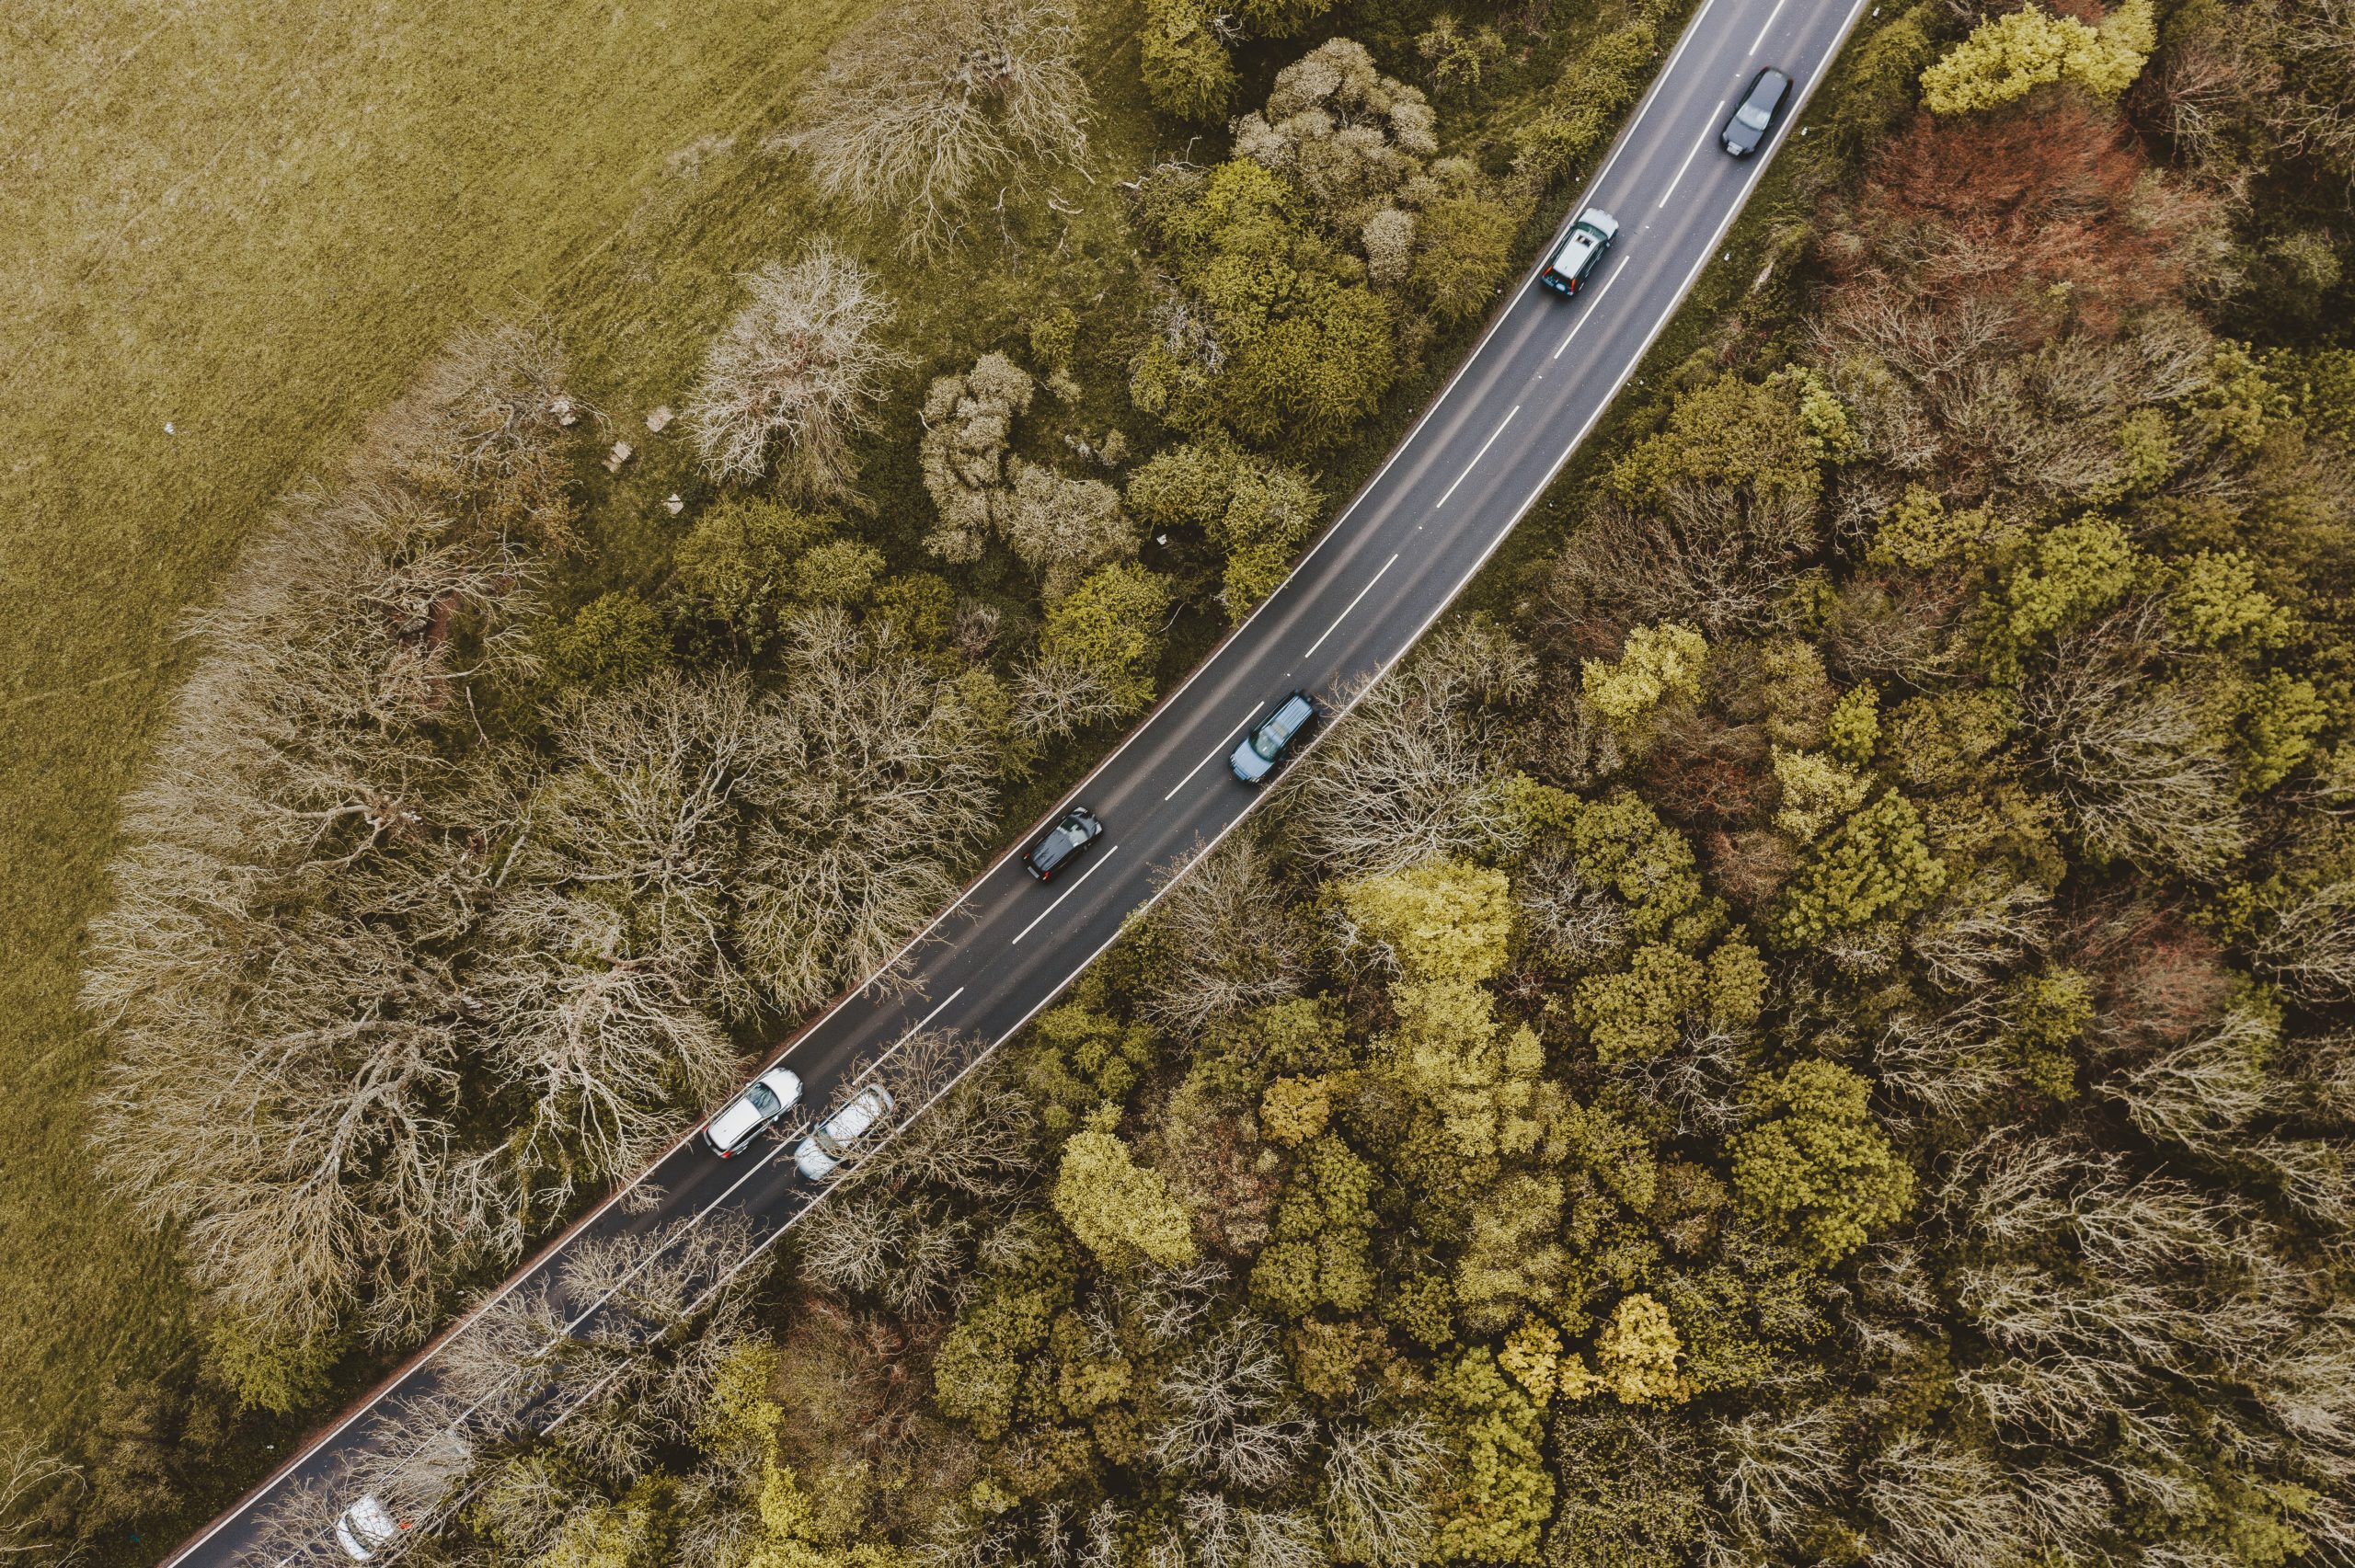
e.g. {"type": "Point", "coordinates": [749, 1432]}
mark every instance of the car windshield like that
{"type": "Point", "coordinates": [1266, 743]}
{"type": "Point", "coordinates": [1753, 115]}
{"type": "Point", "coordinates": [763, 1099]}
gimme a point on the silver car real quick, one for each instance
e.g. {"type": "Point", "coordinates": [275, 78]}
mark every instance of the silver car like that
{"type": "Point", "coordinates": [1256, 757]}
{"type": "Point", "coordinates": [364, 1528]}
{"type": "Point", "coordinates": [827, 1148]}
{"type": "Point", "coordinates": [767, 1097]}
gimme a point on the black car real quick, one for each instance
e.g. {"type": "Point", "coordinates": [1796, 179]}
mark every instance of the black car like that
{"type": "Point", "coordinates": [1754, 117]}
{"type": "Point", "coordinates": [1078, 829]}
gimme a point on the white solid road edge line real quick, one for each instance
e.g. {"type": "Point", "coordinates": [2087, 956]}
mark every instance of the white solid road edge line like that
{"type": "Point", "coordinates": [550, 1250]}
{"type": "Point", "coordinates": [1051, 909]}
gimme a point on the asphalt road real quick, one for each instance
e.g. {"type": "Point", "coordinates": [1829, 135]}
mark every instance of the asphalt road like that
{"type": "Point", "coordinates": [1479, 458]}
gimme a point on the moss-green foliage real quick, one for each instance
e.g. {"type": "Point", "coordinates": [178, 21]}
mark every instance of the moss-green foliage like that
{"type": "Point", "coordinates": [920, 605]}
{"type": "Point", "coordinates": [1635, 1357]}
{"type": "Point", "coordinates": [1819, 790]}
{"type": "Point", "coordinates": [1595, 87]}
{"type": "Point", "coordinates": [1082, 1059]}
{"type": "Point", "coordinates": [1513, 1259]}
{"type": "Point", "coordinates": [1853, 727]}
{"type": "Point", "coordinates": [1467, 243]}
{"type": "Point", "coordinates": [614, 640]}
{"type": "Point", "coordinates": [1119, 1212]}
{"type": "Point", "coordinates": [1729, 431]}
{"type": "Point", "coordinates": [1658, 664]}
{"type": "Point", "coordinates": [1477, 1076]}
{"type": "Point", "coordinates": [265, 1371]}
{"type": "Point", "coordinates": [1446, 920]}
{"type": "Point", "coordinates": [1878, 865]}
{"type": "Point", "coordinates": [1110, 628]}
{"type": "Point", "coordinates": [2010, 56]}
{"type": "Point", "coordinates": [1642, 1011]}
{"type": "Point", "coordinates": [1257, 511]}
{"type": "Point", "coordinates": [1877, 75]}
{"type": "Point", "coordinates": [1322, 1252]}
{"type": "Point", "coordinates": [2044, 1017]}
{"type": "Point", "coordinates": [1814, 1164]}
{"type": "Point", "coordinates": [1307, 353]}
{"type": "Point", "coordinates": [977, 1374]}
{"type": "Point", "coordinates": [746, 561]}
{"type": "Point", "coordinates": [1501, 1493]}
{"type": "Point", "coordinates": [1619, 842]}
{"type": "Point", "coordinates": [2056, 580]}
{"type": "Point", "coordinates": [1187, 73]}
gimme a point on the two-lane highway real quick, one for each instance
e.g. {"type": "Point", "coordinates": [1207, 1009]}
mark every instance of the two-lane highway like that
{"type": "Point", "coordinates": [1474, 463]}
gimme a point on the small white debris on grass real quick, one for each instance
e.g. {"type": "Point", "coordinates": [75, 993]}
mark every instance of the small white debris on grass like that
{"type": "Point", "coordinates": [621, 453]}
{"type": "Point", "coordinates": [659, 417]}
{"type": "Point", "coordinates": [672, 504]}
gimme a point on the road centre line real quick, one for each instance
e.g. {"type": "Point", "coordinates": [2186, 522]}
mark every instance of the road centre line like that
{"type": "Point", "coordinates": [1067, 892]}
{"type": "Point", "coordinates": [1591, 306]}
{"type": "Point", "coordinates": [1770, 26]}
{"type": "Point", "coordinates": [1215, 751]}
{"type": "Point", "coordinates": [1346, 609]}
{"type": "Point", "coordinates": [1476, 457]}
{"type": "Point", "coordinates": [1716, 116]}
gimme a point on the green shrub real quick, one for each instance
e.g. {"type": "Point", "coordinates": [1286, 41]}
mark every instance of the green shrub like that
{"type": "Point", "coordinates": [614, 640]}
{"type": "Point", "coordinates": [1814, 1164]}
{"type": "Point", "coordinates": [1110, 626]}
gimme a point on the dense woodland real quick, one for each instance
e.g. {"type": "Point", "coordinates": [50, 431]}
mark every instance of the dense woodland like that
{"type": "Point", "coordinates": [1816, 1024]}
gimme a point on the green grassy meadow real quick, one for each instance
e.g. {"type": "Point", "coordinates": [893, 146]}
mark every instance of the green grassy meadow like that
{"type": "Point", "coordinates": [252, 222]}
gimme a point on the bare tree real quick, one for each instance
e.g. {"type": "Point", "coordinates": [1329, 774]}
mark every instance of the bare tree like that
{"type": "Point", "coordinates": [1054, 697]}
{"type": "Point", "coordinates": [795, 374]}
{"type": "Point", "coordinates": [303, 859]}
{"type": "Point", "coordinates": [611, 941]}
{"type": "Point", "coordinates": [1229, 938]}
{"type": "Point", "coordinates": [1229, 1415]}
{"type": "Point", "coordinates": [967, 1132]}
{"type": "Point", "coordinates": [1775, 1472]}
{"type": "Point", "coordinates": [1717, 555]}
{"type": "Point", "coordinates": [31, 1478]}
{"type": "Point", "coordinates": [1942, 1506]}
{"type": "Point", "coordinates": [1403, 776]}
{"type": "Point", "coordinates": [486, 428]}
{"type": "Point", "coordinates": [2127, 756]}
{"type": "Point", "coordinates": [1376, 1493]}
{"type": "Point", "coordinates": [2202, 1092]}
{"type": "Point", "coordinates": [615, 1360]}
{"type": "Point", "coordinates": [875, 786]}
{"type": "Point", "coordinates": [2308, 942]}
{"type": "Point", "coordinates": [917, 107]}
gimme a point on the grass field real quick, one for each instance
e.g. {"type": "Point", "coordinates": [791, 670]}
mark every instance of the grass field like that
{"type": "Point", "coordinates": [249, 222]}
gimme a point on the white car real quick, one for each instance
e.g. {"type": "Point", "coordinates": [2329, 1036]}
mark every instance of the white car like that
{"type": "Point", "coordinates": [1581, 251]}
{"type": "Point", "coordinates": [365, 1526]}
{"type": "Point", "coordinates": [767, 1097]}
{"type": "Point", "coordinates": [825, 1148]}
